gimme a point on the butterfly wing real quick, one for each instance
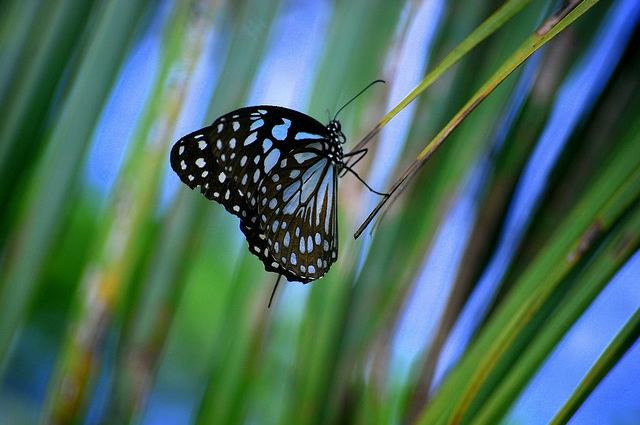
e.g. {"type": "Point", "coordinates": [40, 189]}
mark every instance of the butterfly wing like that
{"type": "Point", "coordinates": [225, 159]}
{"type": "Point", "coordinates": [235, 161]}
{"type": "Point", "coordinates": [298, 214]}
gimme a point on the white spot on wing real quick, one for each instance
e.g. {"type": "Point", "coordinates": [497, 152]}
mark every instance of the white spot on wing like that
{"type": "Point", "coordinates": [271, 160]}
{"type": "Point", "coordinates": [266, 145]}
{"type": "Point", "coordinates": [309, 244]}
{"type": "Point", "coordinates": [280, 131]}
{"type": "Point", "coordinates": [317, 145]}
{"type": "Point", "coordinates": [291, 206]}
{"type": "Point", "coordinates": [304, 135]}
{"type": "Point", "coordinates": [304, 156]}
{"type": "Point", "coordinates": [250, 139]}
{"type": "Point", "coordinates": [311, 179]}
{"type": "Point", "coordinates": [257, 124]}
{"type": "Point", "coordinates": [290, 191]}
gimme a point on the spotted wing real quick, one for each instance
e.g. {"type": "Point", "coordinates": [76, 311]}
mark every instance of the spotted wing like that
{"type": "Point", "coordinates": [298, 212]}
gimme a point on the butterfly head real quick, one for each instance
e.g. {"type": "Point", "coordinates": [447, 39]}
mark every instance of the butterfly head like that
{"type": "Point", "coordinates": [335, 129]}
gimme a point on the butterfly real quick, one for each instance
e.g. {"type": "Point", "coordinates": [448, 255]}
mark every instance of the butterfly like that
{"type": "Point", "coordinates": [277, 170]}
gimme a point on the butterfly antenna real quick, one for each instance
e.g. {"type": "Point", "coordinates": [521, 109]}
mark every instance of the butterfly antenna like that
{"type": "Point", "coordinates": [274, 290]}
{"type": "Point", "coordinates": [356, 96]}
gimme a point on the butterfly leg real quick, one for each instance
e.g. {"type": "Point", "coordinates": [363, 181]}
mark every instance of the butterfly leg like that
{"type": "Point", "coordinates": [361, 152]}
{"type": "Point", "coordinates": [348, 168]}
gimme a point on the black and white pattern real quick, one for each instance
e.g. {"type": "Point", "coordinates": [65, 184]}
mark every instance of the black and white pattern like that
{"type": "Point", "coordinates": [277, 170]}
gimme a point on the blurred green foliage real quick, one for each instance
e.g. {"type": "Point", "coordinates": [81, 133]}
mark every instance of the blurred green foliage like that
{"type": "Point", "coordinates": [128, 297]}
